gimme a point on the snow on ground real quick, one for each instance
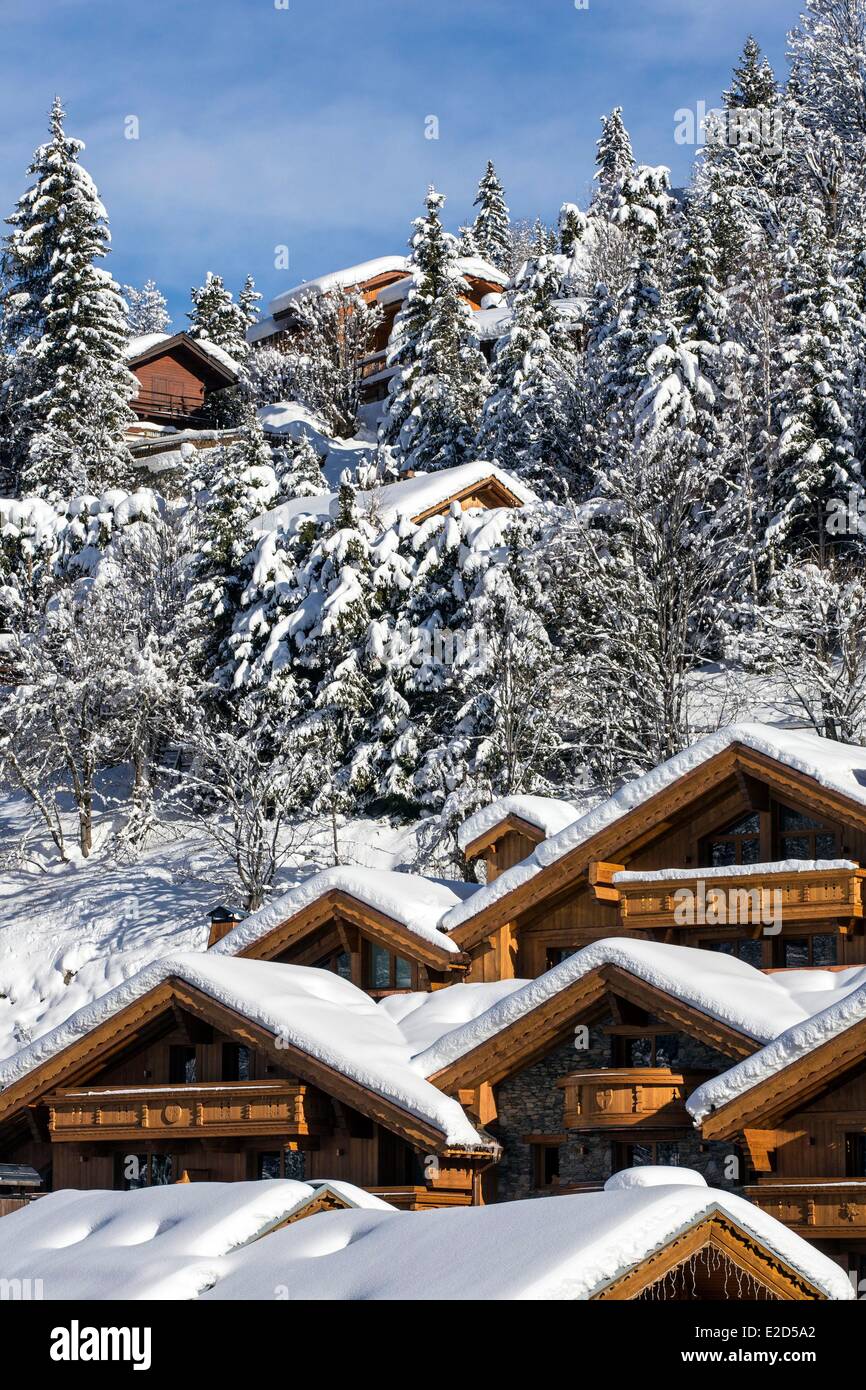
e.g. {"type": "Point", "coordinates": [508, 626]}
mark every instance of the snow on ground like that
{"type": "Point", "coordinates": [293, 421]}
{"type": "Point", "coordinates": [326, 1017]}
{"type": "Point", "coordinates": [155, 1243]}
{"type": "Point", "coordinates": [69, 933]}
{"type": "Point", "coordinates": [838, 766]}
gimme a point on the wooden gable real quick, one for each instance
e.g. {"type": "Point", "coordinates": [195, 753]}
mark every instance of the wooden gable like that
{"type": "Point", "coordinates": [560, 908]}
{"type": "Point", "coordinates": [714, 1260]}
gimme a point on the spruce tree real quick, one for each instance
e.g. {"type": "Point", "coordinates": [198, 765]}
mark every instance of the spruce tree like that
{"type": "Point", "coordinates": [67, 389]}
{"type": "Point", "coordinates": [614, 162]}
{"type": "Point", "coordinates": [217, 318]}
{"type": "Point", "coordinates": [491, 230]}
{"type": "Point", "coordinates": [248, 301]}
{"type": "Point", "coordinates": [146, 310]}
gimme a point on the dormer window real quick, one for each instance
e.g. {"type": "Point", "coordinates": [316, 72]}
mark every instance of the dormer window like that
{"type": "Point", "coordinates": [385, 970]}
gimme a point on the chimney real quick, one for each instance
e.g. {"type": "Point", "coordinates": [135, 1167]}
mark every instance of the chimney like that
{"type": "Point", "coordinates": [222, 920]}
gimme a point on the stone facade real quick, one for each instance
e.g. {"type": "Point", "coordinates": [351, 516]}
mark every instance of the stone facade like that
{"type": "Point", "coordinates": [531, 1103]}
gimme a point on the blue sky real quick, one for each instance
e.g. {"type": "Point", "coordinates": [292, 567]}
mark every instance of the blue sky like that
{"type": "Point", "coordinates": [304, 126]}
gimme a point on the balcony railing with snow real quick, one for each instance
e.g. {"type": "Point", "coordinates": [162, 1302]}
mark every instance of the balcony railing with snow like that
{"type": "Point", "coordinates": [628, 1098]}
{"type": "Point", "coordinates": [792, 890]}
{"type": "Point", "coordinates": [190, 1111]}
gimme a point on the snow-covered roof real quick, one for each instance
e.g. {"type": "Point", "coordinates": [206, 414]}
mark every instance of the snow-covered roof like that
{"type": "Point", "coordinates": [839, 767]}
{"type": "Point", "coordinates": [721, 986]}
{"type": "Point", "coordinates": [340, 280]}
{"type": "Point", "coordinates": [548, 814]}
{"type": "Point", "coordinates": [410, 497]}
{"type": "Point", "coordinates": [417, 903]}
{"type": "Point", "coordinates": [162, 1242]}
{"type": "Point", "coordinates": [796, 1041]}
{"type": "Point", "coordinates": [137, 347]}
{"type": "Point", "coordinates": [424, 1018]}
{"type": "Point", "coordinates": [560, 1248]}
{"type": "Point", "coordinates": [313, 1010]}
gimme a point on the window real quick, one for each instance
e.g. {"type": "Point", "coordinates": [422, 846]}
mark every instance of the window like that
{"type": "Point", "coordinates": [182, 1066]}
{"type": "Point", "coordinates": [557, 954]}
{"type": "Point", "coordinates": [800, 837]}
{"type": "Point", "coordinates": [236, 1062]}
{"type": "Point", "coordinates": [340, 963]}
{"type": "Point", "coordinates": [739, 844]}
{"type": "Point", "coordinates": [654, 1050]}
{"type": "Point", "coordinates": [545, 1165]}
{"type": "Point", "coordinates": [386, 971]}
{"type": "Point", "coordinates": [269, 1165]}
{"type": "Point", "coordinates": [744, 948]}
{"type": "Point", "coordinates": [855, 1155]}
{"type": "Point", "coordinates": [646, 1155]}
{"type": "Point", "coordinates": [133, 1171]}
{"type": "Point", "coordinates": [798, 952]}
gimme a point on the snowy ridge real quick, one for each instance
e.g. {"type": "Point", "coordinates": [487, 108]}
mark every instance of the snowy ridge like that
{"type": "Point", "coordinates": [548, 813]}
{"type": "Point", "coordinates": [418, 903]}
{"type": "Point", "coordinates": [795, 1042]}
{"type": "Point", "coordinates": [313, 1010]}
{"type": "Point", "coordinates": [561, 1248]}
{"type": "Point", "coordinates": [721, 986]}
{"type": "Point", "coordinates": [838, 766]}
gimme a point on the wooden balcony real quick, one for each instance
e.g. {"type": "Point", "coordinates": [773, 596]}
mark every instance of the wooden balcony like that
{"type": "Point", "coordinates": [713, 898]}
{"type": "Point", "coordinates": [636, 1098]}
{"type": "Point", "coordinates": [820, 1209]}
{"type": "Point", "coordinates": [243, 1108]}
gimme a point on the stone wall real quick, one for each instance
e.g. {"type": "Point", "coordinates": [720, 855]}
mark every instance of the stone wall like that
{"type": "Point", "coordinates": [531, 1103]}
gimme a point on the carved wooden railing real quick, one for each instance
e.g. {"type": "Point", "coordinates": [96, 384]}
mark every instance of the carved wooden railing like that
{"type": "Point", "coordinates": [221, 1108]}
{"type": "Point", "coordinates": [628, 1098]}
{"type": "Point", "coordinates": [718, 899]}
{"type": "Point", "coordinates": [820, 1208]}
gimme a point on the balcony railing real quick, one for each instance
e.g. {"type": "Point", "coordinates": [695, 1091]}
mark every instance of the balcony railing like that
{"type": "Point", "coordinates": [286, 1108]}
{"type": "Point", "coordinates": [820, 1209]}
{"type": "Point", "coordinates": [167, 405]}
{"type": "Point", "coordinates": [715, 897]}
{"type": "Point", "coordinates": [632, 1098]}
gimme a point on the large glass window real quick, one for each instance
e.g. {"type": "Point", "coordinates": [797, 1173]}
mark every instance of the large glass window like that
{"type": "Point", "coordinates": [801, 837]}
{"type": "Point", "coordinates": [743, 947]}
{"type": "Point", "coordinates": [739, 844]}
{"type": "Point", "coordinates": [385, 970]}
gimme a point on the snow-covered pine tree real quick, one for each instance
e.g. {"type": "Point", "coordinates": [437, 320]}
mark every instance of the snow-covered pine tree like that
{"type": "Point", "coordinates": [67, 388]}
{"type": "Point", "coordinates": [146, 309]}
{"type": "Point", "coordinates": [572, 229]}
{"type": "Point", "coordinates": [299, 470]}
{"type": "Point", "coordinates": [432, 263]}
{"type": "Point", "coordinates": [528, 422]}
{"type": "Point", "coordinates": [491, 230]}
{"type": "Point", "coordinates": [216, 317]}
{"type": "Point", "coordinates": [614, 163]}
{"type": "Point", "coordinates": [816, 451]}
{"type": "Point", "coordinates": [242, 484]}
{"type": "Point", "coordinates": [448, 390]}
{"type": "Point", "coordinates": [333, 333]}
{"type": "Point", "coordinates": [248, 301]}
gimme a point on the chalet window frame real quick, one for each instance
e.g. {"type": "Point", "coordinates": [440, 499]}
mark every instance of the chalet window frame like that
{"type": "Point", "coordinates": [545, 1151]}
{"type": "Point", "coordinates": [368, 957]}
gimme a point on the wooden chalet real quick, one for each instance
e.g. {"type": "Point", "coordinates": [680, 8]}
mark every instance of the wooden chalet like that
{"type": "Point", "coordinates": [177, 376]}
{"type": "Point", "coordinates": [595, 1065]}
{"type": "Point", "coordinates": [383, 281]}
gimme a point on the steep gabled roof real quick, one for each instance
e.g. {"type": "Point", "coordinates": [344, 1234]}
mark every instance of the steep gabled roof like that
{"type": "Point", "coordinates": [800, 1063]}
{"type": "Point", "coordinates": [827, 775]}
{"type": "Point", "coordinates": [309, 1021]}
{"type": "Point", "coordinates": [542, 816]}
{"type": "Point", "coordinates": [151, 345]}
{"type": "Point", "coordinates": [401, 909]}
